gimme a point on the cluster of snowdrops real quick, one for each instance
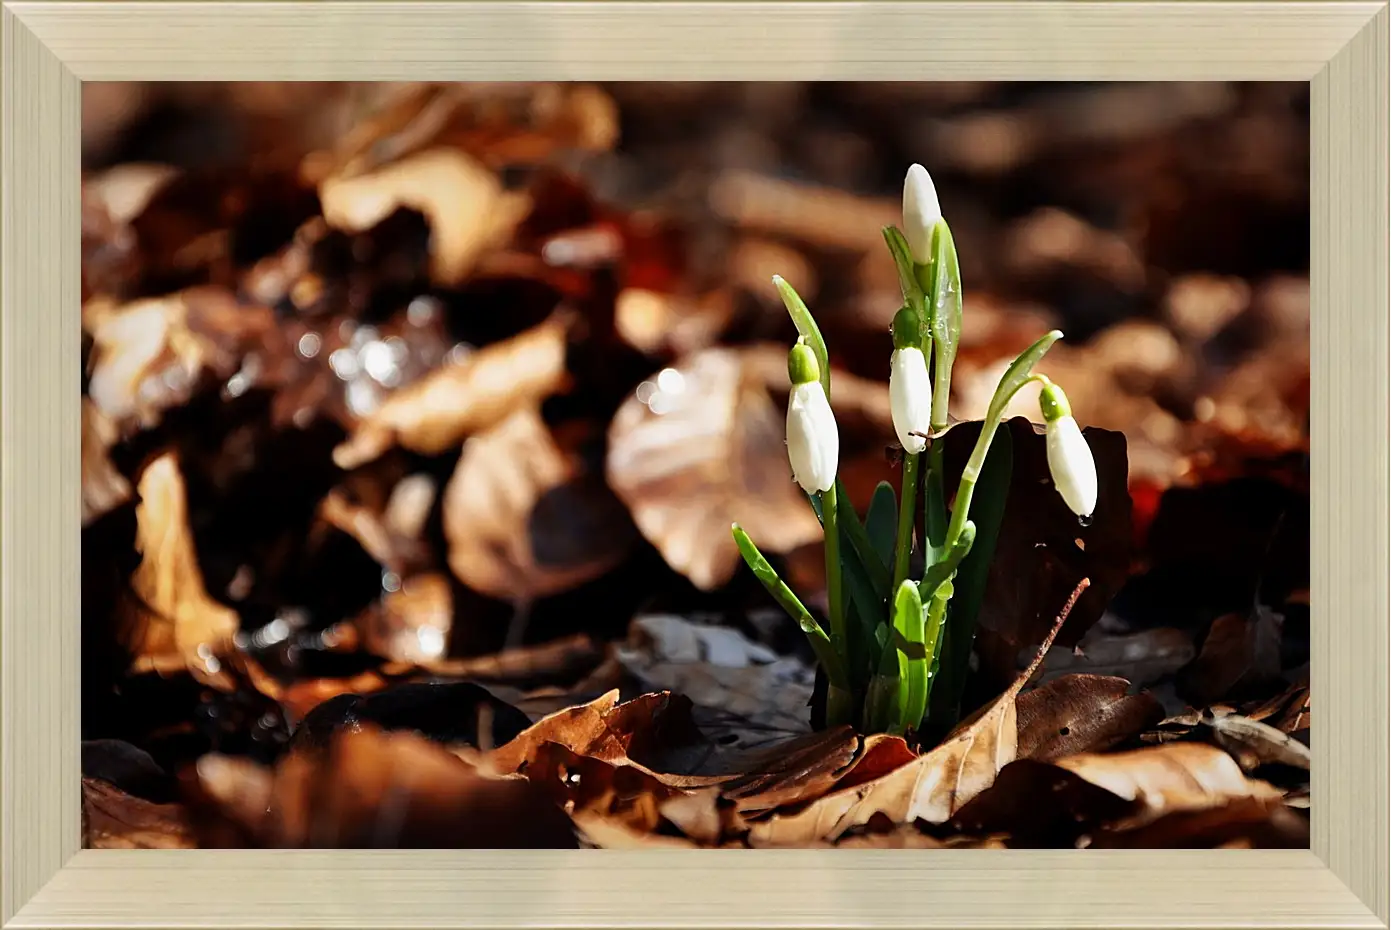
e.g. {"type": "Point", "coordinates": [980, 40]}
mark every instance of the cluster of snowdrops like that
{"type": "Point", "coordinates": [893, 639]}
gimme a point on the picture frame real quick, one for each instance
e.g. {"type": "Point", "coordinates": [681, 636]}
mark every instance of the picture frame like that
{"type": "Point", "coordinates": [49, 48]}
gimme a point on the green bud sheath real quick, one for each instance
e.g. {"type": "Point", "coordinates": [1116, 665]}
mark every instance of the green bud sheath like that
{"type": "Point", "coordinates": [801, 365]}
{"type": "Point", "coordinates": [1053, 402]}
{"type": "Point", "coordinates": [907, 329]}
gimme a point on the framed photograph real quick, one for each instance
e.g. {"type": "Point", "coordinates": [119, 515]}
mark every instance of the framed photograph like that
{"type": "Point", "coordinates": [694, 464]}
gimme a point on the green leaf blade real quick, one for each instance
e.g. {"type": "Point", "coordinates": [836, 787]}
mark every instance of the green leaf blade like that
{"type": "Point", "coordinates": [881, 522]}
{"type": "Point", "coordinates": [806, 328]}
{"type": "Point", "coordinates": [788, 600]}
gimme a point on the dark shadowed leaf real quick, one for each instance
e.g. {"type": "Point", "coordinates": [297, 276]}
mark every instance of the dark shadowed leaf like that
{"type": "Point", "coordinates": [1240, 658]}
{"type": "Point", "coordinates": [1081, 713]}
{"type": "Point", "coordinates": [1042, 549]}
{"type": "Point", "coordinates": [368, 789]}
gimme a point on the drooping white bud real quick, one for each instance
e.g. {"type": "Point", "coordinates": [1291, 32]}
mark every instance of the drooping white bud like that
{"type": "Point", "coordinates": [921, 211]}
{"type": "Point", "coordinates": [910, 398]}
{"type": "Point", "coordinates": [813, 442]}
{"type": "Point", "coordinates": [1070, 459]}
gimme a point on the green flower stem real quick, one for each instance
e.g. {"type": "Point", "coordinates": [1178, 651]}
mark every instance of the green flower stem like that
{"type": "Point", "coordinates": [836, 606]}
{"type": "Point", "coordinates": [903, 546]}
{"type": "Point", "coordinates": [932, 640]}
{"type": "Point", "coordinates": [971, 472]}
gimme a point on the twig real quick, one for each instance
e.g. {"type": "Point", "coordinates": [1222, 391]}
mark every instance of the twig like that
{"type": "Point", "coordinates": [1052, 634]}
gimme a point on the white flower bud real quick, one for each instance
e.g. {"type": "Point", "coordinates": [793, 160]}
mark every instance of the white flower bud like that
{"type": "Point", "coordinates": [921, 211]}
{"type": "Point", "coordinates": [910, 397]}
{"type": "Point", "coordinates": [1069, 457]}
{"type": "Point", "coordinates": [813, 442]}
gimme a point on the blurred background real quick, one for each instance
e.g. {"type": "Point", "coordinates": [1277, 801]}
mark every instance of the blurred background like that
{"type": "Point", "coordinates": [391, 383]}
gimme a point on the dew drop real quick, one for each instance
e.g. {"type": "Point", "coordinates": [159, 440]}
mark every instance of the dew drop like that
{"type": "Point", "coordinates": [1085, 521]}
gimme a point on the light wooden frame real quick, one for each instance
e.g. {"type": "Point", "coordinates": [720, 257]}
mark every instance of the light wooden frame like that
{"type": "Point", "coordinates": [48, 48]}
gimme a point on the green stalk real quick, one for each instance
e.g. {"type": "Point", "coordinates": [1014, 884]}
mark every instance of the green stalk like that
{"type": "Point", "coordinates": [1019, 373]}
{"type": "Point", "coordinates": [932, 638]}
{"type": "Point", "coordinates": [903, 546]}
{"type": "Point", "coordinates": [836, 606]}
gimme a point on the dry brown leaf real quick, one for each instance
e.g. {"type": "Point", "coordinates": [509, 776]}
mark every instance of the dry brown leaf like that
{"type": "Point", "coordinates": [103, 487]}
{"type": "Point", "coordinates": [933, 786]}
{"type": "Point", "coordinates": [703, 448]}
{"type": "Point", "coordinates": [655, 323]}
{"type": "Point", "coordinates": [1143, 657]}
{"type": "Point", "coordinates": [369, 789]}
{"type": "Point", "coordinates": [176, 618]}
{"type": "Point", "coordinates": [1241, 655]}
{"type": "Point", "coordinates": [906, 836]}
{"type": "Point", "coordinates": [619, 791]}
{"type": "Point", "coordinates": [411, 623]}
{"type": "Point", "coordinates": [132, 347]}
{"type": "Point", "coordinates": [524, 518]}
{"type": "Point", "coordinates": [242, 790]}
{"type": "Point", "coordinates": [112, 819]}
{"type": "Point", "coordinates": [634, 731]}
{"type": "Point", "coordinates": [1081, 713]}
{"type": "Point", "coordinates": [1287, 711]}
{"type": "Point", "coordinates": [465, 204]}
{"type": "Point", "coordinates": [756, 693]}
{"type": "Point", "coordinates": [1173, 777]}
{"type": "Point", "coordinates": [148, 354]}
{"type": "Point", "coordinates": [1253, 743]}
{"type": "Point", "coordinates": [124, 190]}
{"type": "Point", "coordinates": [1246, 823]}
{"type": "Point", "coordinates": [1038, 805]}
{"type": "Point", "coordinates": [608, 833]}
{"type": "Point", "coordinates": [822, 216]}
{"type": "Point", "coordinates": [384, 544]}
{"type": "Point", "coordinates": [437, 412]}
{"type": "Point", "coordinates": [793, 771]}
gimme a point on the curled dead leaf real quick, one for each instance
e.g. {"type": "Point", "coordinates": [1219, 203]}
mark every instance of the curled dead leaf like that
{"type": "Point", "coordinates": [700, 446]}
{"type": "Point", "coordinates": [465, 204]}
{"type": "Point", "coordinates": [175, 619]}
{"type": "Point", "coordinates": [1254, 743]}
{"type": "Point", "coordinates": [148, 354]}
{"type": "Point", "coordinates": [636, 730]}
{"type": "Point", "coordinates": [437, 412]}
{"type": "Point", "coordinates": [1168, 778]}
{"type": "Point", "coordinates": [523, 516]}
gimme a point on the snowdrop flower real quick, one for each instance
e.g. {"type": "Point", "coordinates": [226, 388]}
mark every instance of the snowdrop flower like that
{"type": "Point", "coordinates": [813, 443]}
{"type": "Point", "coordinates": [1069, 457]}
{"type": "Point", "coordinates": [910, 386]}
{"type": "Point", "coordinates": [921, 211]}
